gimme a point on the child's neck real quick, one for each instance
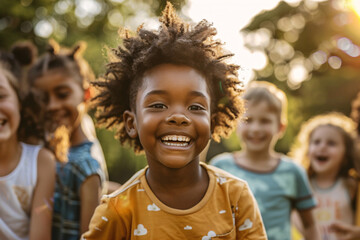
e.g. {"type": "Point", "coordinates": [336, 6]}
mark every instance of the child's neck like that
{"type": "Point", "coordinates": [325, 180]}
{"type": "Point", "coordinates": [258, 161]}
{"type": "Point", "coordinates": [10, 152]}
{"type": "Point", "coordinates": [77, 136]}
{"type": "Point", "coordinates": [178, 188]}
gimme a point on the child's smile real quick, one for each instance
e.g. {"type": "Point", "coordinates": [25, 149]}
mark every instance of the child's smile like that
{"type": "Point", "coordinates": [176, 140]}
{"type": "Point", "coordinates": [172, 117]}
{"type": "Point", "coordinates": [64, 99]}
{"type": "Point", "coordinates": [260, 128]}
{"type": "Point", "coordinates": [9, 109]}
{"type": "Point", "coordinates": [326, 150]}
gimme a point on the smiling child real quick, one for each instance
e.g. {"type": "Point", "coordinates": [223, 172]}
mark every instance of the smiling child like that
{"type": "Point", "coordinates": [62, 77]}
{"type": "Point", "coordinates": [325, 147]}
{"type": "Point", "coordinates": [168, 92]}
{"type": "Point", "coordinates": [279, 185]}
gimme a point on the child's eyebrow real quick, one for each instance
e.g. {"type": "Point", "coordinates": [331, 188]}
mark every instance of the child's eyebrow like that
{"type": "Point", "coordinates": [156, 92]}
{"type": "Point", "coordinates": [163, 92]}
{"type": "Point", "coordinates": [61, 87]}
{"type": "Point", "coordinates": [197, 94]}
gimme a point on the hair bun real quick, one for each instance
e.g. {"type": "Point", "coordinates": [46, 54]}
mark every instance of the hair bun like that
{"type": "Point", "coordinates": [24, 52]}
{"type": "Point", "coordinates": [78, 50]}
{"type": "Point", "coordinates": [53, 47]}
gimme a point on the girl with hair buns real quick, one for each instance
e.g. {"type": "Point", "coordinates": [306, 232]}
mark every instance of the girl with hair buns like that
{"type": "Point", "coordinates": [27, 172]}
{"type": "Point", "coordinates": [62, 76]}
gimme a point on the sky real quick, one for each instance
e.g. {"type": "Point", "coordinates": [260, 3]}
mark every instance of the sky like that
{"type": "Point", "coordinates": [228, 17]}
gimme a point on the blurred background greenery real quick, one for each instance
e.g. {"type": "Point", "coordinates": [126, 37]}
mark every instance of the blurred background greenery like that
{"type": "Point", "coordinates": [308, 48]}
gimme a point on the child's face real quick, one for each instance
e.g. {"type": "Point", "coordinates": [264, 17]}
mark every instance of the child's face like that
{"type": "Point", "coordinates": [64, 98]}
{"type": "Point", "coordinates": [260, 128]}
{"type": "Point", "coordinates": [9, 109]}
{"type": "Point", "coordinates": [172, 118]}
{"type": "Point", "coordinates": [326, 150]}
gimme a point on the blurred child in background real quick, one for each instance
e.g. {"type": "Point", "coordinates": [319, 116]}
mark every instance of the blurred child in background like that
{"type": "Point", "coordinates": [62, 76]}
{"type": "Point", "coordinates": [278, 184]}
{"type": "Point", "coordinates": [355, 116]}
{"type": "Point", "coordinates": [325, 147]}
{"type": "Point", "coordinates": [27, 172]}
{"type": "Point", "coordinates": [169, 91]}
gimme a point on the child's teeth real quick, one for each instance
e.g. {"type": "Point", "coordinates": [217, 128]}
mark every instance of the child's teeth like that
{"type": "Point", "coordinates": [176, 144]}
{"type": "Point", "coordinates": [176, 138]}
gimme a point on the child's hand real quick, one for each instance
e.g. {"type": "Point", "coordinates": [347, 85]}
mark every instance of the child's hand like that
{"type": "Point", "coordinates": [345, 231]}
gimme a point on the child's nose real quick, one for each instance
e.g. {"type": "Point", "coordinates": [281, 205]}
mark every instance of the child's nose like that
{"type": "Point", "coordinates": [53, 103]}
{"type": "Point", "coordinates": [178, 119]}
{"type": "Point", "coordinates": [322, 145]}
{"type": "Point", "coordinates": [254, 126]}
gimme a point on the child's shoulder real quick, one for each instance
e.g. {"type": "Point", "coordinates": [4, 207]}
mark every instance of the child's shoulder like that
{"type": "Point", "coordinates": [222, 177]}
{"type": "Point", "coordinates": [82, 163]}
{"type": "Point", "coordinates": [222, 158]}
{"type": "Point", "coordinates": [288, 164]}
{"type": "Point", "coordinates": [81, 154]}
{"type": "Point", "coordinates": [226, 184]}
{"type": "Point", "coordinates": [128, 186]}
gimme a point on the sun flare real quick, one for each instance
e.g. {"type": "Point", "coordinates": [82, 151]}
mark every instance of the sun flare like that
{"type": "Point", "coordinates": [355, 5]}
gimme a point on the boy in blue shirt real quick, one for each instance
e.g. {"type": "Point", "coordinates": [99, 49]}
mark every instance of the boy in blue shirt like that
{"type": "Point", "coordinates": [278, 184]}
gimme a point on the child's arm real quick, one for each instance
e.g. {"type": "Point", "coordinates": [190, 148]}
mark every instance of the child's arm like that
{"type": "Point", "coordinates": [345, 231]}
{"type": "Point", "coordinates": [107, 223]}
{"type": "Point", "coordinates": [311, 231]}
{"type": "Point", "coordinates": [41, 209]}
{"type": "Point", "coordinates": [90, 192]}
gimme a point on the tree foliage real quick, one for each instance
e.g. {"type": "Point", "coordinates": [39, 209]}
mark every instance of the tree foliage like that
{"type": "Point", "coordinates": [313, 54]}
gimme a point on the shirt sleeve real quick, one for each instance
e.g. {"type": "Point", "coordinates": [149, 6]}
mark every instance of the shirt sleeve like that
{"type": "Point", "coordinates": [220, 160]}
{"type": "Point", "coordinates": [88, 168]}
{"type": "Point", "coordinates": [106, 223]}
{"type": "Point", "coordinates": [248, 221]}
{"type": "Point", "coordinates": [304, 198]}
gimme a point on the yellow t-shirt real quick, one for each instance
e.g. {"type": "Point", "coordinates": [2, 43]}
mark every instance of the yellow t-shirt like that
{"type": "Point", "coordinates": [227, 211]}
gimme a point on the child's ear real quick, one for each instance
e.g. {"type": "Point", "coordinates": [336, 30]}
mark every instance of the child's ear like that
{"type": "Point", "coordinates": [87, 94]}
{"type": "Point", "coordinates": [282, 129]}
{"type": "Point", "coordinates": [130, 123]}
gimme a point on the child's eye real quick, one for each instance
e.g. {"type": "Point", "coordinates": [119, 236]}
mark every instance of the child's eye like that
{"type": "Point", "coordinates": [247, 120]}
{"type": "Point", "coordinates": [63, 95]}
{"type": "Point", "coordinates": [2, 96]}
{"type": "Point", "coordinates": [265, 120]}
{"type": "Point", "coordinates": [315, 141]}
{"type": "Point", "coordinates": [196, 108]}
{"type": "Point", "coordinates": [158, 105]}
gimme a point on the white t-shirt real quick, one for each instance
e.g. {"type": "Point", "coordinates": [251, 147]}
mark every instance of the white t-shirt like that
{"type": "Point", "coordinates": [334, 204]}
{"type": "Point", "coordinates": [16, 193]}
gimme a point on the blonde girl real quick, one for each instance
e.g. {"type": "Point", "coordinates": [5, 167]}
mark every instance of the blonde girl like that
{"type": "Point", "coordinates": [325, 147]}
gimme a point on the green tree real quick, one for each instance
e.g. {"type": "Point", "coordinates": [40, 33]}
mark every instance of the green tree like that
{"type": "Point", "coordinates": [313, 54]}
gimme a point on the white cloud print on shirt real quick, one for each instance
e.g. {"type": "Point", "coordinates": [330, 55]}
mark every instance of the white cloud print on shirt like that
{"type": "Point", "coordinates": [209, 236]}
{"type": "Point", "coordinates": [153, 207]}
{"type": "Point", "coordinates": [140, 230]}
{"type": "Point", "coordinates": [247, 225]}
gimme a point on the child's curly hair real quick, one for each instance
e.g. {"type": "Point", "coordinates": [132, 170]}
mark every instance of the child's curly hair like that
{"type": "Point", "coordinates": [355, 111]}
{"type": "Point", "coordinates": [175, 42]}
{"type": "Point", "coordinates": [346, 127]}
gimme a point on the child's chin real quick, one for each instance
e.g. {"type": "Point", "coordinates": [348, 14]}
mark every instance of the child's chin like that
{"type": "Point", "coordinates": [176, 163]}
